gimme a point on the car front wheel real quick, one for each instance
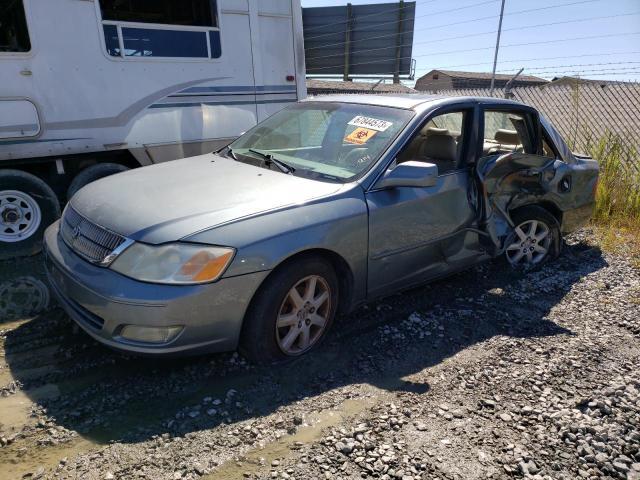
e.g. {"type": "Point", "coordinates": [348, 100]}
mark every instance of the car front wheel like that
{"type": "Point", "coordinates": [292, 312]}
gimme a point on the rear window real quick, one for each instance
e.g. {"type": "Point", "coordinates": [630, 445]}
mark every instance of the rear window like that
{"type": "Point", "coordinates": [14, 35]}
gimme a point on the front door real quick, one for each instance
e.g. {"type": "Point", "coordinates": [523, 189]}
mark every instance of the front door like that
{"type": "Point", "coordinates": [416, 234]}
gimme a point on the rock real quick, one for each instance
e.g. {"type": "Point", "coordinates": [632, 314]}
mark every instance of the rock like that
{"type": "Point", "coordinates": [601, 457]}
{"type": "Point", "coordinates": [489, 403]}
{"type": "Point", "coordinates": [421, 426]}
{"type": "Point", "coordinates": [621, 467]}
{"type": "Point", "coordinates": [505, 417]}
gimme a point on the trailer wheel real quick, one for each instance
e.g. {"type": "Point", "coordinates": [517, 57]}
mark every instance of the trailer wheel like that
{"type": "Point", "coordinates": [91, 174]}
{"type": "Point", "coordinates": [27, 207]}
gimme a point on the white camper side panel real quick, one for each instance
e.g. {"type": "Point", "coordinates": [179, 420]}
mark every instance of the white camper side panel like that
{"type": "Point", "coordinates": [274, 61]}
{"type": "Point", "coordinates": [90, 100]}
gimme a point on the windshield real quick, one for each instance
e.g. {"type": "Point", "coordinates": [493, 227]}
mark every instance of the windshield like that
{"type": "Point", "coordinates": [333, 141]}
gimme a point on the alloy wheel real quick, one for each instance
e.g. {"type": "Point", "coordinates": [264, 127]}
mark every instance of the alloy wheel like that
{"type": "Point", "coordinates": [530, 244]}
{"type": "Point", "coordinates": [303, 315]}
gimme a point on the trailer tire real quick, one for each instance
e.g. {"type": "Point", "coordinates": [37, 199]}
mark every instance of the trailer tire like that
{"type": "Point", "coordinates": [27, 207]}
{"type": "Point", "coordinates": [91, 174]}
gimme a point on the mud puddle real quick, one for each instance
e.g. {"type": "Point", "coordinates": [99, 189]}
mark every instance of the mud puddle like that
{"type": "Point", "coordinates": [17, 461]}
{"type": "Point", "coordinates": [259, 459]}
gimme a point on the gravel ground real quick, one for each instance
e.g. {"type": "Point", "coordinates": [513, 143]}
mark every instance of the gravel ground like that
{"type": "Point", "coordinates": [488, 374]}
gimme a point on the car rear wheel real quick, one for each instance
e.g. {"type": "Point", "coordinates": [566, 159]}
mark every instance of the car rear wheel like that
{"type": "Point", "coordinates": [27, 207]}
{"type": "Point", "coordinates": [535, 239]}
{"type": "Point", "coordinates": [292, 312]}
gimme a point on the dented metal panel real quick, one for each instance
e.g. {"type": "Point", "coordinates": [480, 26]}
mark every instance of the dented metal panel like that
{"type": "Point", "coordinates": [514, 180]}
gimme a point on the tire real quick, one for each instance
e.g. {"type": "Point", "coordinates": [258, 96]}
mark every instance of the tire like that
{"type": "Point", "coordinates": [539, 236]}
{"type": "Point", "coordinates": [93, 173]}
{"type": "Point", "coordinates": [261, 341]}
{"type": "Point", "coordinates": [27, 207]}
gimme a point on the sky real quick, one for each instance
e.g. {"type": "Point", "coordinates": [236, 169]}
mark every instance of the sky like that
{"type": "Point", "coordinates": [612, 52]}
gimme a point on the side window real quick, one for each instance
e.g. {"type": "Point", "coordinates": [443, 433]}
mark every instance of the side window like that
{"type": "Point", "coordinates": [506, 132]}
{"type": "Point", "coordinates": [180, 28]}
{"type": "Point", "coordinates": [194, 13]}
{"type": "Point", "coordinates": [547, 149]}
{"type": "Point", "coordinates": [14, 35]}
{"type": "Point", "coordinates": [439, 141]}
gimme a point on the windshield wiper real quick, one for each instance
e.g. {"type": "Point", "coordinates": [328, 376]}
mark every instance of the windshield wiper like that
{"type": "Point", "coordinates": [270, 159]}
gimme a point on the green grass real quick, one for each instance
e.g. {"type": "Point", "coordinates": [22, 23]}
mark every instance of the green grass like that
{"type": "Point", "coordinates": [618, 194]}
{"type": "Point", "coordinates": [617, 210]}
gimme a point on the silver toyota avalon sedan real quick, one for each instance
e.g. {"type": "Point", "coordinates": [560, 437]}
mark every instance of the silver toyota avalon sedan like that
{"type": "Point", "coordinates": [325, 205]}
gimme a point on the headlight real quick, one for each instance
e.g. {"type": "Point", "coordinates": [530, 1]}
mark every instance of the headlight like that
{"type": "Point", "coordinates": [176, 263]}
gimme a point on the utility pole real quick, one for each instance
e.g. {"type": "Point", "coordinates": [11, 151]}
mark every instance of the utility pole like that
{"type": "Point", "coordinates": [347, 43]}
{"type": "Point", "coordinates": [396, 73]}
{"type": "Point", "coordinates": [495, 57]}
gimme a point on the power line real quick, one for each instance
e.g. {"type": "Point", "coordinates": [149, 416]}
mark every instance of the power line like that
{"type": "Point", "coordinates": [574, 65]}
{"type": "Point", "coordinates": [589, 72]}
{"type": "Point", "coordinates": [491, 47]}
{"type": "Point", "coordinates": [444, 25]}
{"type": "Point", "coordinates": [537, 59]}
{"type": "Point", "coordinates": [371, 15]}
{"type": "Point", "coordinates": [431, 14]}
{"type": "Point", "coordinates": [601, 17]}
{"type": "Point", "coordinates": [597, 70]}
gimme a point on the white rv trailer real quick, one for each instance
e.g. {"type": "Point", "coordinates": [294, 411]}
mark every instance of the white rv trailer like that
{"type": "Point", "coordinates": [91, 87]}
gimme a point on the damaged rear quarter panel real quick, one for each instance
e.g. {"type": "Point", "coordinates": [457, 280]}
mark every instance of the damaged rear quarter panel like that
{"type": "Point", "coordinates": [515, 180]}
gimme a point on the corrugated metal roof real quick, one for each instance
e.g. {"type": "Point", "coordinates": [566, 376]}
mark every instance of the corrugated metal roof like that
{"type": "Point", "coordinates": [315, 85]}
{"type": "Point", "coordinates": [484, 76]}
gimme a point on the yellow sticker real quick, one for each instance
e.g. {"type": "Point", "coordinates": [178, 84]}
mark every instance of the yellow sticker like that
{"type": "Point", "coordinates": [360, 136]}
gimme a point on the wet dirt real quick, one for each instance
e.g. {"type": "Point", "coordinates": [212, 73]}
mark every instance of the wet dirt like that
{"type": "Point", "coordinates": [70, 408]}
{"type": "Point", "coordinates": [260, 460]}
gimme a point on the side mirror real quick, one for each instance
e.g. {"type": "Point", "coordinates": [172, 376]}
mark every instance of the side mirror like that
{"type": "Point", "coordinates": [410, 174]}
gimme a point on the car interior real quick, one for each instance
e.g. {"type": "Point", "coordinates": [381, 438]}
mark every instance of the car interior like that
{"type": "Point", "coordinates": [438, 142]}
{"type": "Point", "coordinates": [503, 133]}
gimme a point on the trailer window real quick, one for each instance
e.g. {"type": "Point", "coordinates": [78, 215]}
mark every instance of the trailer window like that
{"type": "Point", "coordinates": [14, 35]}
{"type": "Point", "coordinates": [177, 28]}
{"type": "Point", "coordinates": [194, 13]}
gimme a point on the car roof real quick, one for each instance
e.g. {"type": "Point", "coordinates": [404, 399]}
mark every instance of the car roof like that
{"type": "Point", "coordinates": [409, 101]}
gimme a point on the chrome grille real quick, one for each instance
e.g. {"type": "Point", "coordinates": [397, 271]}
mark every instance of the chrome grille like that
{"type": "Point", "coordinates": [88, 240]}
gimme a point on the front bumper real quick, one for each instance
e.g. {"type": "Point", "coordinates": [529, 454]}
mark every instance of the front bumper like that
{"type": "Point", "coordinates": [102, 302]}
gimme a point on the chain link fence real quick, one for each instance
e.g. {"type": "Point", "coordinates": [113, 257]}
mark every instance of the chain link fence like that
{"type": "Point", "coordinates": [590, 117]}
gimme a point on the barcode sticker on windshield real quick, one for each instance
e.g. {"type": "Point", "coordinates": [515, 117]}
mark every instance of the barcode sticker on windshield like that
{"type": "Point", "coordinates": [372, 123]}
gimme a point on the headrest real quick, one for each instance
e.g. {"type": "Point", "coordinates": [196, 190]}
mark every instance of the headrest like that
{"type": "Point", "coordinates": [434, 131]}
{"type": "Point", "coordinates": [507, 137]}
{"type": "Point", "coordinates": [439, 147]}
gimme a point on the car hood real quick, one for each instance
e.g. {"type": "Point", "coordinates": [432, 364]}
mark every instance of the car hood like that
{"type": "Point", "coordinates": [169, 201]}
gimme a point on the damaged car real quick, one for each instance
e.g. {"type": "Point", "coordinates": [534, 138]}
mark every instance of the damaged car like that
{"type": "Point", "coordinates": [327, 204]}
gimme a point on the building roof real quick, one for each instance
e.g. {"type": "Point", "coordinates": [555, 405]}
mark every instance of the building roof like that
{"type": "Point", "coordinates": [581, 81]}
{"type": "Point", "coordinates": [485, 76]}
{"type": "Point", "coordinates": [330, 86]}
